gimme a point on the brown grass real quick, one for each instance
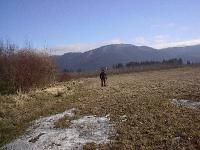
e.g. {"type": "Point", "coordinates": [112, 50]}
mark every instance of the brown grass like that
{"type": "Point", "coordinates": [152, 121]}
{"type": "Point", "coordinates": [65, 122]}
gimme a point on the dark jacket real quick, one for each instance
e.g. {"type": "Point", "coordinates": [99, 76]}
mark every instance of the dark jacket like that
{"type": "Point", "coordinates": [103, 75]}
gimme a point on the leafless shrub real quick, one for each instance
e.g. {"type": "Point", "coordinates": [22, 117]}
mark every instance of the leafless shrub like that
{"type": "Point", "coordinates": [24, 69]}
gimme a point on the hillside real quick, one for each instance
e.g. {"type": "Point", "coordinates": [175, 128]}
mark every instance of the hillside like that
{"type": "Point", "coordinates": [191, 53]}
{"type": "Point", "coordinates": [108, 55]}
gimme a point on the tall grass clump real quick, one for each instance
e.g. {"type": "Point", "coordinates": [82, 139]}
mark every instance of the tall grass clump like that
{"type": "Point", "coordinates": [24, 69]}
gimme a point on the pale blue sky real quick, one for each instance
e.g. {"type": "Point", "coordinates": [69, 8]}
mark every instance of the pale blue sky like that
{"type": "Point", "coordinates": [78, 25]}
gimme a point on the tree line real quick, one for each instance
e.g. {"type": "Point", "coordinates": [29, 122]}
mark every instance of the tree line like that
{"type": "Point", "coordinates": [132, 64]}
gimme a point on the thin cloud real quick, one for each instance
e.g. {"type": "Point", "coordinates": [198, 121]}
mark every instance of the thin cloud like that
{"type": "Point", "coordinates": [184, 29]}
{"type": "Point", "coordinates": [166, 44]}
{"type": "Point", "coordinates": [164, 25]}
{"type": "Point", "coordinates": [139, 40]}
{"type": "Point", "coordinates": [160, 38]}
{"type": "Point", "coordinates": [159, 41]}
{"type": "Point", "coordinates": [82, 47]}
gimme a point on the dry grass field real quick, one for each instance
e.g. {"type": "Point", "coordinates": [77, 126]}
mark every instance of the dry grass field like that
{"type": "Point", "coordinates": [150, 120]}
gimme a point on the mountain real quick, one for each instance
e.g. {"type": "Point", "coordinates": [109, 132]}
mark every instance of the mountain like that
{"type": "Point", "coordinates": [191, 53]}
{"type": "Point", "coordinates": [108, 55]}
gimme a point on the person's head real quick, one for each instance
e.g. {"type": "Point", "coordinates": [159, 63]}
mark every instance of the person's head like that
{"type": "Point", "coordinates": [102, 70]}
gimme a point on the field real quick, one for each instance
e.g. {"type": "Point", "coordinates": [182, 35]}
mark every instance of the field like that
{"type": "Point", "coordinates": [138, 105]}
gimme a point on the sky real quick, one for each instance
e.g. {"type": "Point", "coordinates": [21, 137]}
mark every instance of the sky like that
{"type": "Point", "coordinates": [80, 25]}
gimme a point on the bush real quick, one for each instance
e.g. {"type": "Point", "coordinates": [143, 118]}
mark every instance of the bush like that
{"type": "Point", "coordinates": [64, 76]}
{"type": "Point", "coordinates": [24, 70]}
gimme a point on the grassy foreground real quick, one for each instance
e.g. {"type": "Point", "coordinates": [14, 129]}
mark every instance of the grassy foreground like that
{"type": "Point", "coordinates": [151, 122]}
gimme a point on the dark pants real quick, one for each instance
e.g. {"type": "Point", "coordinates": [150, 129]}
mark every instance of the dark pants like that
{"type": "Point", "coordinates": [103, 82]}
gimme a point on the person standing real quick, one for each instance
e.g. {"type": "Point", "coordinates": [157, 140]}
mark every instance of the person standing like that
{"type": "Point", "coordinates": [103, 78]}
